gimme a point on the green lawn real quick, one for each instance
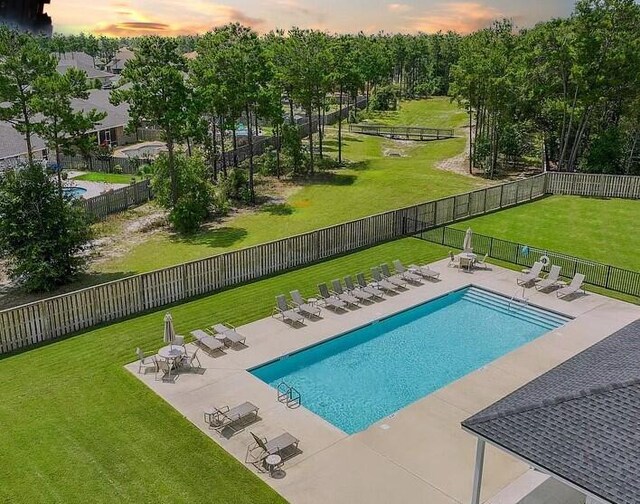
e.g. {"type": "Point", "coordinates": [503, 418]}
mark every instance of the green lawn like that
{"type": "Point", "coordinates": [436, 112]}
{"type": "Point", "coordinates": [107, 178]}
{"type": "Point", "coordinates": [373, 183]}
{"type": "Point", "coordinates": [603, 230]}
{"type": "Point", "coordinates": [77, 427]}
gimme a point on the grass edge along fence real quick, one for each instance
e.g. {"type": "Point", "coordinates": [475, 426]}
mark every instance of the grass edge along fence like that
{"type": "Point", "coordinates": [58, 316]}
{"type": "Point", "coordinates": [118, 200]}
{"type": "Point", "coordinates": [597, 274]}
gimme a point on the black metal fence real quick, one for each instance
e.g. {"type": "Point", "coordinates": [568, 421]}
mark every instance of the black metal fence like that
{"type": "Point", "coordinates": [597, 274]}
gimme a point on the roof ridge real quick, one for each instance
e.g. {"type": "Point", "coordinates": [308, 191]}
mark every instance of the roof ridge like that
{"type": "Point", "coordinates": [555, 401]}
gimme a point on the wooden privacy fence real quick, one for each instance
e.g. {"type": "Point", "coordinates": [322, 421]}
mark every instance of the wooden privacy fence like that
{"type": "Point", "coordinates": [105, 164]}
{"type": "Point", "coordinates": [597, 274]}
{"type": "Point", "coordinates": [118, 200]}
{"type": "Point", "coordinates": [597, 185]}
{"type": "Point", "coordinates": [61, 315]}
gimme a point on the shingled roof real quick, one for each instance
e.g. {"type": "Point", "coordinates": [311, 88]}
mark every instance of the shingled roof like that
{"type": "Point", "coordinates": [580, 421]}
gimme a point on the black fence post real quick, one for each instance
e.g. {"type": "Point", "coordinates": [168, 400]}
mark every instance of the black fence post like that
{"type": "Point", "coordinates": [491, 247]}
{"type": "Point", "coordinates": [606, 282]}
{"type": "Point", "coordinates": [501, 193]}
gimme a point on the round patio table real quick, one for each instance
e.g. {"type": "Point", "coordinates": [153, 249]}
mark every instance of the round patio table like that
{"type": "Point", "coordinates": [171, 352]}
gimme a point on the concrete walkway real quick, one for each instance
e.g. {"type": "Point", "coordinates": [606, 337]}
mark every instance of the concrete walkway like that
{"type": "Point", "coordinates": [417, 455]}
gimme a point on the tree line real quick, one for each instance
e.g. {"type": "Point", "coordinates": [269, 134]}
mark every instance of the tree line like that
{"type": "Point", "coordinates": [567, 89]}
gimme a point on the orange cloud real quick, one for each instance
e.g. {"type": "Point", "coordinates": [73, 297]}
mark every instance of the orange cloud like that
{"type": "Point", "coordinates": [462, 17]}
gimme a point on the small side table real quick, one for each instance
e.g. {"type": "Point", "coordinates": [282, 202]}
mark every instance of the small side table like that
{"type": "Point", "coordinates": [273, 463]}
{"type": "Point", "coordinates": [312, 301]}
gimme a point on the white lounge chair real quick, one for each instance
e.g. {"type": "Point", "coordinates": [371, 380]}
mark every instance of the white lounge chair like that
{"type": "Point", "coordinates": [532, 276]}
{"type": "Point", "coordinates": [224, 418]}
{"type": "Point", "coordinates": [409, 276]}
{"type": "Point", "coordinates": [146, 361]}
{"type": "Point", "coordinates": [357, 291]}
{"type": "Point", "coordinates": [551, 280]}
{"type": "Point", "coordinates": [454, 262]}
{"type": "Point", "coordinates": [303, 306]}
{"type": "Point", "coordinates": [424, 271]}
{"type": "Point", "coordinates": [397, 280]}
{"type": "Point", "coordinates": [381, 282]}
{"type": "Point", "coordinates": [207, 342]}
{"type": "Point", "coordinates": [329, 300]}
{"type": "Point", "coordinates": [344, 296]}
{"type": "Point", "coordinates": [229, 333]}
{"type": "Point", "coordinates": [285, 312]}
{"type": "Point", "coordinates": [573, 287]}
{"type": "Point", "coordinates": [481, 262]}
{"type": "Point", "coordinates": [368, 287]}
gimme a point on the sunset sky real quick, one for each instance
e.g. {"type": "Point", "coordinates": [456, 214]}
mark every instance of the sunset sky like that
{"type": "Point", "coordinates": [169, 17]}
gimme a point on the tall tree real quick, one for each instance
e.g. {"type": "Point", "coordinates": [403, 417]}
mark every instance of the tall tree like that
{"type": "Point", "coordinates": [158, 93]}
{"type": "Point", "coordinates": [22, 62]}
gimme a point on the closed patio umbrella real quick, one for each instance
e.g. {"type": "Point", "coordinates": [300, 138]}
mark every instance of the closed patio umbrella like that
{"type": "Point", "coordinates": [169, 332]}
{"type": "Point", "coordinates": [466, 245]}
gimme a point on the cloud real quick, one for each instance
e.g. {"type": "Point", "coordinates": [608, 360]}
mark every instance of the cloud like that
{"type": "Point", "coordinates": [462, 17]}
{"type": "Point", "coordinates": [196, 17]}
{"type": "Point", "coordinates": [296, 8]}
{"type": "Point", "coordinates": [398, 7]}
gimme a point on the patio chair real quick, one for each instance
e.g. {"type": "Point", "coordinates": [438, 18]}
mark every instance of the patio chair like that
{"type": "Point", "coordinates": [344, 296]}
{"type": "Point", "coordinates": [382, 283]}
{"type": "Point", "coordinates": [191, 358]}
{"type": "Point", "coordinates": [481, 263]}
{"type": "Point", "coordinates": [301, 304]}
{"type": "Point", "coordinates": [178, 340]}
{"type": "Point", "coordinates": [207, 342]}
{"type": "Point", "coordinates": [329, 300]}
{"type": "Point", "coordinates": [424, 271]}
{"type": "Point", "coordinates": [367, 287]}
{"type": "Point", "coordinates": [223, 418]}
{"type": "Point", "coordinates": [532, 276]}
{"type": "Point", "coordinates": [409, 276]}
{"type": "Point", "coordinates": [454, 262]}
{"type": "Point", "coordinates": [146, 361]}
{"type": "Point", "coordinates": [284, 445]}
{"type": "Point", "coordinates": [285, 312]}
{"type": "Point", "coordinates": [396, 280]}
{"type": "Point", "coordinates": [164, 366]}
{"type": "Point", "coordinates": [230, 334]}
{"type": "Point", "coordinates": [465, 262]}
{"type": "Point", "coordinates": [357, 291]}
{"type": "Point", "coordinates": [573, 287]}
{"type": "Point", "coordinates": [551, 280]}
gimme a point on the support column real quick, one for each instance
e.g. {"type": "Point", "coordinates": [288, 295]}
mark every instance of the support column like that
{"type": "Point", "coordinates": [477, 472]}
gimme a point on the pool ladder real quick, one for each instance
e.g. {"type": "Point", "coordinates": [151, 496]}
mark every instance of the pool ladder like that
{"type": "Point", "coordinates": [288, 395]}
{"type": "Point", "coordinates": [518, 299]}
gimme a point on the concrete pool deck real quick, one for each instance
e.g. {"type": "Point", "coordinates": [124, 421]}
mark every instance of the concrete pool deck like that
{"type": "Point", "coordinates": [420, 453]}
{"type": "Point", "coordinates": [93, 188]}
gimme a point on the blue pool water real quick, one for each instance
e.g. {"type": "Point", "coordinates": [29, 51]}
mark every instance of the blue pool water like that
{"type": "Point", "coordinates": [75, 192]}
{"type": "Point", "coordinates": [358, 378]}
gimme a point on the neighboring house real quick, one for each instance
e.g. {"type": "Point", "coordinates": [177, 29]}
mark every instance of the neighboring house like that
{"type": "Point", "coordinates": [116, 65]}
{"type": "Point", "coordinates": [82, 61]}
{"type": "Point", "coordinates": [13, 148]}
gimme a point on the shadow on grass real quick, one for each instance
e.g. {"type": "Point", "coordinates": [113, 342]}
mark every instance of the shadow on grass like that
{"type": "Point", "coordinates": [277, 209]}
{"type": "Point", "coordinates": [222, 237]}
{"type": "Point", "coordinates": [330, 178]}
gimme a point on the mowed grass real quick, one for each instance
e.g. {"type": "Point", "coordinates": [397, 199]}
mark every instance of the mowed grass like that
{"type": "Point", "coordinates": [372, 183]}
{"type": "Point", "coordinates": [603, 230]}
{"type": "Point", "coordinates": [437, 112]}
{"type": "Point", "coordinates": [107, 178]}
{"type": "Point", "coordinates": [77, 427]}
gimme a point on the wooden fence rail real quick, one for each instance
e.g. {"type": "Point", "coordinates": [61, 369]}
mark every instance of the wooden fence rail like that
{"type": "Point", "coordinates": [402, 132]}
{"type": "Point", "coordinates": [118, 200]}
{"type": "Point", "coordinates": [61, 315]}
{"type": "Point", "coordinates": [596, 185]}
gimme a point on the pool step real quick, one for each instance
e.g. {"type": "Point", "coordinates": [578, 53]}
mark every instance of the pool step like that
{"type": "Point", "coordinates": [515, 308]}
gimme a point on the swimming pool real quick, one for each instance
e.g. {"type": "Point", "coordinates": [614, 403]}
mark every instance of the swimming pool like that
{"type": "Point", "coordinates": [74, 191]}
{"type": "Point", "coordinates": [356, 379]}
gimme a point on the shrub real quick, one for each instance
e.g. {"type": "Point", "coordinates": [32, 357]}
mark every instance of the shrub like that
{"type": "Point", "coordinates": [235, 185]}
{"type": "Point", "coordinates": [195, 192]}
{"type": "Point", "coordinates": [385, 98]}
{"type": "Point", "coordinates": [117, 169]}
